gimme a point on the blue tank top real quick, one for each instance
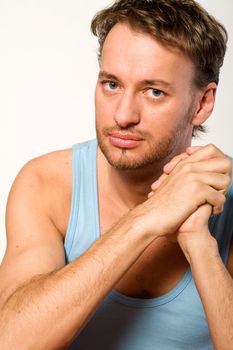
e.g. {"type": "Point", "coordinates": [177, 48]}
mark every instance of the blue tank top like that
{"type": "Point", "coordinates": [174, 321]}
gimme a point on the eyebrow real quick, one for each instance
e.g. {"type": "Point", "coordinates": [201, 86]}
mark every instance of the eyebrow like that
{"type": "Point", "coordinates": [106, 75]}
{"type": "Point", "coordinates": [157, 82]}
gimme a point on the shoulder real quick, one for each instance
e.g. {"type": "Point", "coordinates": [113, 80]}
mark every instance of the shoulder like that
{"type": "Point", "coordinates": [48, 165]}
{"type": "Point", "coordinates": [46, 183]}
{"type": "Point", "coordinates": [46, 171]}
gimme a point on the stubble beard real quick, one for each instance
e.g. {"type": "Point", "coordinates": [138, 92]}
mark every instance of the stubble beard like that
{"type": "Point", "coordinates": [157, 151]}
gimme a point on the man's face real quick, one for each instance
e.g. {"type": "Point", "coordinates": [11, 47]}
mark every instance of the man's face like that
{"type": "Point", "coordinates": [144, 100]}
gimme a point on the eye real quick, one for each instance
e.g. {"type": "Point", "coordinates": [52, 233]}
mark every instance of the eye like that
{"type": "Point", "coordinates": [109, 85]}
{"type": "Point", "coordinates": [154, 92]}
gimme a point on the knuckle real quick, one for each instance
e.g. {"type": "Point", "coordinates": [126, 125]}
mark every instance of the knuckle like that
{"type": "Point", "coordinates": [228, 162]}
{"type": "Point", "coordinates": [228, 180]}
{"type": "Point", "coordinates": [224, 181]}
{"type": "Point", "coordinates": [212, 149]}
{"type": "Point", "coordinates": [186, 167]}
{"type": "Point", "coordinates": [154, 187]}
{"type": "Point", "coordinates": [216, 210]}
{"type": "Point", "coordinates": [220, 199]}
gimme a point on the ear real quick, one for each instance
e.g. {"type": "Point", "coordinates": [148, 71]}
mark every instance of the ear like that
{"type": "Point", "coordinates": [205, 105]}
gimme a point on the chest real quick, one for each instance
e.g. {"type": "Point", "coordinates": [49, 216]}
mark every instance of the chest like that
{"type": "Point", "coordinates": [176, 322]}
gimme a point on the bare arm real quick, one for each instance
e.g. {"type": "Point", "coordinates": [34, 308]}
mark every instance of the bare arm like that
{"type": "Point", "coordinates": [52, 302]}
{"type": "Point", "coordinates": [213, 280]}
{"type": "Point", "coordinates": [62, 301]}
{"type": "Point", "coordinates": [41, 296]}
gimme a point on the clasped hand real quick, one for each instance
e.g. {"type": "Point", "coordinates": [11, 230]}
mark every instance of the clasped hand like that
{"type": "Point", "coordinates": [191, 189]}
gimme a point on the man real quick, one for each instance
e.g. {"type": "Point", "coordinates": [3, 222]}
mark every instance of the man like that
{"type": "Point", "coordinates": [136, 272]}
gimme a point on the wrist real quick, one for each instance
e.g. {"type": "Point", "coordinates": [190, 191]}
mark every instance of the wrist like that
{"type": "Point", "coordinates": [139, 222]}
{"type": "Point", "coordinates": [198, 246]}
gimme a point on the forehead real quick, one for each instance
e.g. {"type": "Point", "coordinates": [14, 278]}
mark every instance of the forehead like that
{"type": "Point", "coordinates": [133, 53]}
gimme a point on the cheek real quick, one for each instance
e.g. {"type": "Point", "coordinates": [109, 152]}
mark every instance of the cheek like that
{"type": "Point", "coordinates": [157, 115]}
{"type": "Point", "coordinates": [104, 107]}
{"type": "Point", "coordinates": [103, 112]}
{"type": "Point", "coordinates": [99, 105]}
{"type": "Point", "coordinates": [100, 101]}
{"type": "Point", "coordinates": [170, 112]}
{"type": "Point", "coordinates": [162, 122]}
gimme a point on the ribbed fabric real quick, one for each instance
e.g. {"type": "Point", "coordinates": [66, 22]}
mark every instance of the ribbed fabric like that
{"type": "Point", "coordinates": [174, 321]}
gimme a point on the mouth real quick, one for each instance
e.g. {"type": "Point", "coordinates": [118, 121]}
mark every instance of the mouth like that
{"type": "Point", "coordinates": [124, 140]}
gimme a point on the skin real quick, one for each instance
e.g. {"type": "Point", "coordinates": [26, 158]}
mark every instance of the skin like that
{"type": "Point", "coordinates": [37, 290]}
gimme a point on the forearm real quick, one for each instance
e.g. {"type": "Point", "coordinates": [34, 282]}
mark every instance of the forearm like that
{"type": "Point", "coordinates": [215, 287]}
{"type": "Point", "coordinates": [53, 308]}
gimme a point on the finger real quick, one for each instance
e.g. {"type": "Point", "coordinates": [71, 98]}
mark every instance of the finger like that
{"type": "Point", "coordinates": [204, 153]}
{"type": "Point", "coordinates": [221, 165]}
{"type": "Point", "coordinates": [219, 182]}
{"type": "Point", "coordinates": [195, 154]}
{"type": "Point", "coordinates": [202, 215]}
{"type": "Point", "coordinates": [150, 194]}
{"type": "Point", "coordinates": [159, 182]}
{"type": "Point", "coordinates": [215, 198]}
{"type": "Point", "coordinates": [217, 210]}
{"type": "Point", "coordinates": [190, 150]}
{"type": "Point", "coordinates": [173, 163]}
{"type": "Point", "coordinates": [201, 153]}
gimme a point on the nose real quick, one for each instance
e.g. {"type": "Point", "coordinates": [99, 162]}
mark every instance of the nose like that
{"type": "Point", "coordinates": [127, 112]}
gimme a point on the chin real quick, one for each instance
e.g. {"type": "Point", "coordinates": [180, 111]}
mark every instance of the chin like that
{"type": "Point", "coordinates": [131, 159]}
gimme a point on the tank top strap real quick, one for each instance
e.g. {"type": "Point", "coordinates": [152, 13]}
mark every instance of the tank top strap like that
{"type": "Point", "coordinates": [83, 226]}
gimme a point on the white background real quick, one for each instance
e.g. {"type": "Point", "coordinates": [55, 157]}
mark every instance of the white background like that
{"type": "Point", "coordinates": [48, 70]}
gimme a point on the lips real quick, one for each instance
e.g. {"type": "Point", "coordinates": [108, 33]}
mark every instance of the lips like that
{"type": "Point", "coordinates": [124, 140]}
